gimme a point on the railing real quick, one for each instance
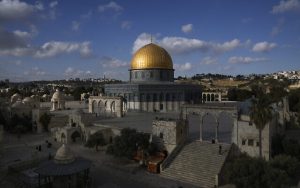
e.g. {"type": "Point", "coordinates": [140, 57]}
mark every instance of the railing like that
{"type": "Point", "coordinates": [171, 156]}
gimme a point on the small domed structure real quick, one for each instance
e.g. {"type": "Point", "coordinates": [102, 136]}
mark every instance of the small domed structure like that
{"type": "Point", "coordinates": [64, 155]}
{"type": "Point", "coordinates": [58, 95]}
{"type": "Point", "coordinates": [15, 97]}
{"type": "Point", "coordinates": [28, 100]}
{"type": "Point", "coordinates": [18, 104]}
{"type": "Point", "coordinates": [58, 100]}
{"type": "Point", "coordinates": [64, 170]}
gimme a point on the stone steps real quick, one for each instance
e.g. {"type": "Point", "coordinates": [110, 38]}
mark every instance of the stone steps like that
{"type": "Point", "coordinates": [198, 163]}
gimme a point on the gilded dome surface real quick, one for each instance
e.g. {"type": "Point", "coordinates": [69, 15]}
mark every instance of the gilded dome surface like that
{"type": "Point", "coordinates": [151, 56]}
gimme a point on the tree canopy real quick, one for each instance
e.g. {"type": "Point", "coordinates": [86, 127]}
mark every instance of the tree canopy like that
{"type": "Point", "coordinates": [95, 140]}
{"type": "Point", "coordinates": [247, 172]}
{"type": "Point", "coordinates": [260, 114]}
{"type": "Point", "coordinates": [45, 120]}
{"type": "Point", "coordinates": [128, 142]}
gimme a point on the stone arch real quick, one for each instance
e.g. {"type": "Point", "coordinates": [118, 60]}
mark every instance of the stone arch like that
{"type": "Point", "coordinates": [217, 97]}
{"type": "Point", "coordinates": [101, 107]}
{"type": "Point", "coordinates": [216, 111]}
{"type": "Point", "coordinates": [204, 97]}
{"type": "Point", "coordinates": [75, 136]}
{"type": "Point", "coordinates": [209, 123]}
{"type": "Point", "coordinates": [113, 107]}
{"type": "Point", "coordinates": [63, 138]}
{"type": "Point", "coordinates": [212, 98]}
{"type": "Point", "coordinates": [225, 129]}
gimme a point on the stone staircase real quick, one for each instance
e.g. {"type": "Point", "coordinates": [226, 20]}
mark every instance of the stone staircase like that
{"type": "Point", "coordinates": [197, 163]}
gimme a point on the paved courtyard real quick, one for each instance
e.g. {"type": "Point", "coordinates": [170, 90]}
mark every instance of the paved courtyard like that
{"type": "Point", "coordinates": [108, 171]}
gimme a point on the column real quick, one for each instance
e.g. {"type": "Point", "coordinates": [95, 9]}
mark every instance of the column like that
{"type": "Point", "coordinates": [201, 124]}
{"type": "Point", "coordinates": [217, 130]}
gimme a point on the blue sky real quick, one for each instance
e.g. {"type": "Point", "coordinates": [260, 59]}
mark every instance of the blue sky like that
{"type": "Point", "coordinates": [46, 39]}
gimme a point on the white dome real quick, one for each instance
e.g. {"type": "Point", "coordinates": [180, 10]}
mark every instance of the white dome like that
{"type": "Point", "coordinates": [18, 104]}
{"type": "Point", "coordinates": [64, 155]}
{"type": "Point", "coordinates": [16, 95]}
{"type": "Point", "coordinates": [58, 95]}
{"type": "Point", "coordinates": [28, 100]}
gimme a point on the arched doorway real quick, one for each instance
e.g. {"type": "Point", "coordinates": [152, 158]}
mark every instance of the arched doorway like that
{"type": "Point", "coordinates": [75, 136]}
{"type": "Point", "coordinates": [63, 138]}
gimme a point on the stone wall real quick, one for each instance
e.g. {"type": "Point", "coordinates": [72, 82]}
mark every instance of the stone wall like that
{"type": "Point", "coordinates": [170, 132]}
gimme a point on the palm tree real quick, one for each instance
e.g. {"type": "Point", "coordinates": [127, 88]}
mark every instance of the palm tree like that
{"type": "Point", "coordinates": [260, 114]}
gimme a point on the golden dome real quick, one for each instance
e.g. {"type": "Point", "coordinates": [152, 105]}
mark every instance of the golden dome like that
{"type": "Point", "coordinates": [151, 56]}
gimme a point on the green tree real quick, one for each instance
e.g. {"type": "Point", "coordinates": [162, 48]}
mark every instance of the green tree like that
{"type": "Point", "coordinates": [286, 163]}
{"type": "Point", "coordinates": [96, 140]}
{"type": "Point", "coordinates": [291, 147]}
{"type": "Point", "coordinates": [128, 143]}
{"type": "Point", "coordinates": [45, 120]}
{"type": "Point", "coordinates": [235, 94]}
{"type": "Point", "coordinates": [260, 114]}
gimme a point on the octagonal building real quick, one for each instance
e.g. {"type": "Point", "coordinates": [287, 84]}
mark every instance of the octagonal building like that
{"type": "Point", "coordinates": [151, 85]}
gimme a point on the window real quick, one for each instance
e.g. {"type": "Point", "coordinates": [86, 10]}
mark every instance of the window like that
{"type": "Point", "coordinates": [243, 142]}
{"type": "Point", "coordinates": [250, 142]}
{"type": "Point", "coordinates": [161, 106]}
{"type": "Point", "coordinates": [257, 143]}
{"type": "Point", "coordinates": [161, 135]}
{"type": "Point", "coordinates": [250, 123]}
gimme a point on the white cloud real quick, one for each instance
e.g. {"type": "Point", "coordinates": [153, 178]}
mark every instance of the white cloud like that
{"type": "Point", "coordinates": [187, 28]}
{"type": "Point", "coordinates": [183, 67]}
{"type": "Point", "coordinates": [209, 61]}
{"type": "Point", "coordinates": [10, 40]}
{"type": "Point", "coordinates": [263, 46]}
{"type": "Point", "coordinates": [110, 6]}
{"type": "Point", "coordinates": [126, 25]}
{"type": "Point", "coordinates": [110, 62]}
{"type": "Point", "coordinates": [245, 60]}
{"type": "Point", "coordinates": [141, 41]}
{"type": "Point", "coordinates": [75, 25]}
{"type": "Point", "coordinates": [286, 6]}
{"type": "Point", "coordinates": [226, 46]}
{"type": "Point", "coordinates": [54, 48]}
{"type": "Point", "coordinates": [181, 45]}
{"type": "Point", "coordinates": [34, 72]}
{"type": "Point", "coordinates": [53, 4]}
{"type": "Point", "coordinates": [72, 72]}
{"type": "Point", "coordinates": [15, 10]}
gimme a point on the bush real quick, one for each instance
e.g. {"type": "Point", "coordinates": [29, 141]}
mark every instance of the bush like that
{"type": "Point", "coordinates": [95, 140]}
{"type": "Point", "coordinates": [128, 143]}
{"type": "Point", "coordinates": [247, 172]}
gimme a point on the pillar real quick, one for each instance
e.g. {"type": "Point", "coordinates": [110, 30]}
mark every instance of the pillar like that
{"type": "Point", "coordinates": [217, 130]}
{"type": "Point", "coordinates": [201, 125]}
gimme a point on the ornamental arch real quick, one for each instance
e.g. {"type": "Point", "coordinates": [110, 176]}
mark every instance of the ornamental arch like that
{"type": "Point", "coordinates": [216, 112]}
{"type": "Point", "coordinates": [107, 106]}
